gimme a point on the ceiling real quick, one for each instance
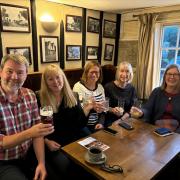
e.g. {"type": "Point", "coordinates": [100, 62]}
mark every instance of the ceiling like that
{"type": "Point", "coordinates": [117, 6]}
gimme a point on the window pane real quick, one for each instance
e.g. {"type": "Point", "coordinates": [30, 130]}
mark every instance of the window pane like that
{"type": "Point", "coordinates": [168, 57]}
{"type": "Point", "coordinates": [170, 36]}
{"type": "Point", "coordinates": [178, 58]}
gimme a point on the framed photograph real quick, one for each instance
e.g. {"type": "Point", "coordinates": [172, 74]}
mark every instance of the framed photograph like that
{"type": "Point", "coordinates": [108, 52]}
{"type": "Point", "coordinates": [14, 18]}
{"type": "Point", "coordinates": [109, 29]}
{"type": "Point", "coordinates": [92, 52]}
{"type": "Point", "coordinates": [73, 23]}
{"type": "Point", "coordinates": [93, 25]}
{"type": "Point", "coordinates": [49, 48]}
{"type": "Point", "coordinates": [25, 51]}
{"type": "Point", "coordinates": [73, 52]}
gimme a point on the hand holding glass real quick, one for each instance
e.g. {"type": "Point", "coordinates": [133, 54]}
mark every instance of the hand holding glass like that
{"type": "Point", "coordinates": [46, 113]}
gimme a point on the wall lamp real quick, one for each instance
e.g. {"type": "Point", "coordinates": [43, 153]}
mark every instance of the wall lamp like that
{"type": "Point", "coordinates": [48, 23]}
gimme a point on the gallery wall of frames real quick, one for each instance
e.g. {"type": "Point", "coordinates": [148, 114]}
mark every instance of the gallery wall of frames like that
{"type": "Point", "coordinates": [80, 34]}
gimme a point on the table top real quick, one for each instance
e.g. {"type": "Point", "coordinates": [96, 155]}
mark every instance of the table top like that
{"type": "Point", "coordinates": [140, 152]}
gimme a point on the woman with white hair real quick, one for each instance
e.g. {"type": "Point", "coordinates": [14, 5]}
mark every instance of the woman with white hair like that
{"type": "Point", "coordinates": [120, 90]}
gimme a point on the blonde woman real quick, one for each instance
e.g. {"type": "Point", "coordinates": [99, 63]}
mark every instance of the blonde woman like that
{"type": "Point", "coordinates": [90, 87]}
{"type": "Point", "coordinates": [162, 107]}
{"type": "Point", "coordinates": [121, 90]}
{"type": "Point", "coordinates": [68, 116]}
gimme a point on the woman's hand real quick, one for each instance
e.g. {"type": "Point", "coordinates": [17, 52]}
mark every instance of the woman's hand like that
{"type": "Point", "coordinates": [52, 145]}
{"type": "Point", "coordinates": [99, 107]}
{"type": "Point", "coordinates": [99, 126]}
{"type": "Point", "coordinates": [118, 111]}
{"type": "Point", "coordinates": [136, 112]}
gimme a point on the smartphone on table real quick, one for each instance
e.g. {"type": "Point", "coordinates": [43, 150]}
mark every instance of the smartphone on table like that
{"type": "Point", "coordinates": [163, 131]}
{"type": "Point", "coordinates": [109, 130]}
{"type": "Point", "coordinates": [126, 125]}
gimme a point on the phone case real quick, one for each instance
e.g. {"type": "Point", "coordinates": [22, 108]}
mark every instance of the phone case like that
{"type": "Point", "coordinates": [126, 126]}
{"type": "Point", "coordinates": [111, 131]}
{"type": "Point", "coordinates": [163, 132]}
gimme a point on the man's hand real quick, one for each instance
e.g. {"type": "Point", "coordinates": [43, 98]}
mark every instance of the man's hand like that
{"type": "Point", "coordinates": [40, 173]}
{"type": "Point", "coordinates": [40, 130]}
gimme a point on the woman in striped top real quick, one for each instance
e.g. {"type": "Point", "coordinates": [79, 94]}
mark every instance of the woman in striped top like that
{"type": "Point", "coordinates": [91, 91]}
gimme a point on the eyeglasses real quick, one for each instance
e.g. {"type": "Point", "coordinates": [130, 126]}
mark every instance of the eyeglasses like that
{"type": "Point", "coordinates": [112, 169]}
{"type": "Point", "coordinates": [173, 75]}
{"type": "Point", "coordinates": [94, 72]}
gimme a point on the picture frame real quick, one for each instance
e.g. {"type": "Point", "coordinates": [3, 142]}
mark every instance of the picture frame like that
{"type": "Point", "coordinates": [14, 18]}
{"type": "Point", "coordinates": [108, 52]}
{"type": "Point", "coordinates": [25, 51]}
{"type": "Point", "coordinates": [49, 49]}
{"type": "Point", "coordinates": [92, 53]}
{"type": "Point", "coordinates": [109, 30]}
{"type": "Point", "coordinates": [73, 23]}
{"type": "Point", "coordinates": [73, 52]}
{"type": "Point", "coordinates": [93, 25]}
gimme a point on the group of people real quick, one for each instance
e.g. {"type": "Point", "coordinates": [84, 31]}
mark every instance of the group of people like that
{"type": "Point", "coordinates": [76, 113]}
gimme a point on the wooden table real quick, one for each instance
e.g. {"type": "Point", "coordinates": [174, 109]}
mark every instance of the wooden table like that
{"type": "Point", "coordinates": [140, 152]}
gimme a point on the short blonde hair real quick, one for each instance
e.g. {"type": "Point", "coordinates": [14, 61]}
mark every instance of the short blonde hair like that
{"type": "Point", "coordinates": [47, 97]}
{"type": "Point", "coordinates": [126, 65]}
{"type": "Point", "coordinates": [87, 67]}
{"type": "Point", "coordinates": [17, 58]}
{"type": "Point", "coordinates": [163, 85]}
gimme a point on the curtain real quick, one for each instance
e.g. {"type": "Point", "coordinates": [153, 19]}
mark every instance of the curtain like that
{"type": "Point", "coordinates": [145, 61]}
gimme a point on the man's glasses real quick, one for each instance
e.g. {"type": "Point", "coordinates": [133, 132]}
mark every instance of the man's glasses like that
{"type": "Point", "coordinates": [112, 169]}
{"type": "Point", "coordinates": [173, 75]}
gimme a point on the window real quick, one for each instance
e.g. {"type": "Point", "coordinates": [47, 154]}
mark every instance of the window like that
{"type": "Point", "coordinates": [170, 47]}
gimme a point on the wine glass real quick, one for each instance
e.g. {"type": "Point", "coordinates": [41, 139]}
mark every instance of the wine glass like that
{"type": "Point", "coordinates": [46, 113]}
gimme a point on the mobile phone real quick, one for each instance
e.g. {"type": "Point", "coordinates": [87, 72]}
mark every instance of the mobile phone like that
{"type": "Point", "coordinates": [163, 131]}
{"type": "Point", "coordinates": [109, 130]}
{"type": "Point", "coordinates": [126, 126]}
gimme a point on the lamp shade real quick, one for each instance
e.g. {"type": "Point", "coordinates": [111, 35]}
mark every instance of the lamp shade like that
{"type": "Point", "coordinates": [49, 26]}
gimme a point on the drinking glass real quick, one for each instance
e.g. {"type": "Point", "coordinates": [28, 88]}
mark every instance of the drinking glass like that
{"type": "Point", "coordinates": [106, 104]}
{"type": "Point", "coordinates": [46, 113]}
{"type": "Point", "coordinates": [137, 103]}
{"type": "Point", "coordinates": [121, 103]}
{"type": "Point", "coordinates": [88, 98]}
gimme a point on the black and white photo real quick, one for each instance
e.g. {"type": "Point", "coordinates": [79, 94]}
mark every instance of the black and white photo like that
{"type": "Point", "coordinates": [109, 29]}
{"type": "Point", "coordinates": [24, 51]}
{"type": "Point", "coordinates": [14, 18]}
{"type": "Point", "coordinates": [73, 23]}
{"type": "Point", "coordinates": [49, 47]}
{"type": "Point", "coordinates": [108, 52]}
{"type": "Point", "coordinates": [93, 25]}
{"type": "Point", "coordinates": [92, 52]}
{"type": "Point", "coordinates": [73, 52]}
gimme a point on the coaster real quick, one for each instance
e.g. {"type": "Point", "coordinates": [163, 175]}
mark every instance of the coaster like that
{"type": "Point", "coordinates": [103, 159]}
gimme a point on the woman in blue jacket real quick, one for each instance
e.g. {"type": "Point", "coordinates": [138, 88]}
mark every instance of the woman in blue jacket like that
{"type": "Point", "coordinates": [162, 108]}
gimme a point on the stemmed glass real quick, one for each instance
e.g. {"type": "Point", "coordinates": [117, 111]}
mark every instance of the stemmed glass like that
{"type": "Point", "coordinates": [46, 113]}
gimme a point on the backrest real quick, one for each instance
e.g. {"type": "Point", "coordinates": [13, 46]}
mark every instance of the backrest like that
{"type": "Point", "coordinates": [33, 80]}
{"type": "Point", "coordinates": [109, 72]}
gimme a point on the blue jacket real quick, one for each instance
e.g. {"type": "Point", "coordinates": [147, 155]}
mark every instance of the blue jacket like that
{"type": "Point", "coordinates": [154, 108]}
